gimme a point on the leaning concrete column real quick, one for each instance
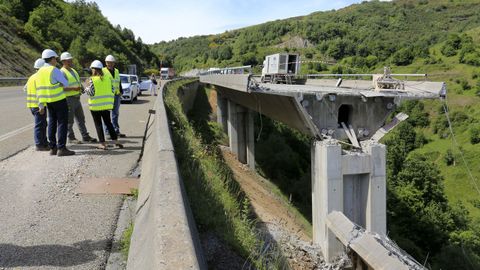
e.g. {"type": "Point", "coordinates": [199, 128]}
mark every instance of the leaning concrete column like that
{"type": "Point", "coordinates": [376, 212]}
{"type": "Point", "coordinates": [222, 111]}
{"type": "Point", "coordinates": [232, 127]}
{"type": "Point", "coordinates": [250, 140]}
{"type": "Point", "coordinates": [327, 194]}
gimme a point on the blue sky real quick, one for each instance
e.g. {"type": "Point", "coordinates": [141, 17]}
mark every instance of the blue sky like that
{"type": "Point", "coordinates": [159, 20]}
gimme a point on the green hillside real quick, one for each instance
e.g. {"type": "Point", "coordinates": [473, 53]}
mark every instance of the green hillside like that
{"type": "Point", "coordinates": [433, 201]}
{"type": "Point", "coordinates": [28, 27]}
{"type": "Point", "coordinates": [368, 35]}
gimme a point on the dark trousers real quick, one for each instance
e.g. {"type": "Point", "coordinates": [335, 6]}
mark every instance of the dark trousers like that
{"type": "Point", "coordinates": [115, 113]}
{"type": "Point", "coordinates": [40, 129]}
{"type": "Point", "coordinates": [57, 118]}
{"type": "Point", "coordinates": [98, 116]}
{"type": "Point", "coordinates": [75, 111]}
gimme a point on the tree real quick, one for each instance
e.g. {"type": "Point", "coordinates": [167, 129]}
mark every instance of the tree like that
{"type": "Point", "coordinates": [20, 9]}
{"type": "Point", "coordinates": [403, 57]}
{"type": "Point", "coordinates": [453, 43]}
{"type": "Point", "coordinates": [418, 206]}
{"type": "Point", "coordinates": [225, 53]}
{"type": "Point", "coordinates": [79, 52]}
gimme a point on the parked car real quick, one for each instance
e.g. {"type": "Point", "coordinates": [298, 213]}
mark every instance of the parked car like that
{"type": "Point", "coordinates": [130, 87]}
{"type": "Point", "coordinates": [144, 85]}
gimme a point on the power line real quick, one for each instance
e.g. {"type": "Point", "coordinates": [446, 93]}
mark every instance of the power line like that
{"type": "Point", "coordinates": [454, 139]}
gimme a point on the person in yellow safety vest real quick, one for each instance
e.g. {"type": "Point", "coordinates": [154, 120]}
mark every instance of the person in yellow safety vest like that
{"type": "Point", "coordinates": [101, 99]}
{"type": "Point", "coordinates": [73, 92]}
{"type": "Point", "coordinates": [40, 115]}
{"type": "Point", "coordinates": [49, 84]}
{"type": "Point", "coordinates": [114, 75]}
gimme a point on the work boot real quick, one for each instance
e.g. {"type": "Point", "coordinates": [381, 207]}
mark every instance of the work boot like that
{"type": "Point", "coordinates": [53, 151]}
{"type": "Point", "coordinates": [89, 139]}
{"type": "Point", "coordinates": [74, 141]}
{"type": "Point", "coordinates": [42, 148]}
{"type": "Point", "coordinates": [118, 144]}
{"type": "Point", "coordinates": [65, 152]}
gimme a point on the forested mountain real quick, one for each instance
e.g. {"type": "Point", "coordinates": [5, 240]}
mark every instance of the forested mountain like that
{"type": "Point", "coordinates": [433, 174]}
{"type": "Point", "coordinates": [363, 36]}
{"type": "Point", "coordinates": [29, 26]}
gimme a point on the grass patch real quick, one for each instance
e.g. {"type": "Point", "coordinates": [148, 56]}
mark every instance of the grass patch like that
{"type": "Point", "coordinates": [125, 241]}
{"type": "Point", "coordinates": [217, 201]}
{"type": "Point", "coordinates": [134, 193]}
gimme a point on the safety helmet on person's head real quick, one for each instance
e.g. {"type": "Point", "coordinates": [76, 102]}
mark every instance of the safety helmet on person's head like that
{"type": "Point", "coordinates": [96, 64]}
{"type": "Point", "coordinates": [39, 63]}
{"type": "Point", "coordinates": [65, 56]}
{"type": "Point", "coordinates": [47, 53]}
{"type": "Point", "coordinates": [110, 58]}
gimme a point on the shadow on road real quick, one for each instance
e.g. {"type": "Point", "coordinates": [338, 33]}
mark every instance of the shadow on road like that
{"type": "Point", "coordinates": [138, 101]}
{"type": "Point", "coordinates": [51, 255]}
{"type": "Point", "coordinates": [109, 152]}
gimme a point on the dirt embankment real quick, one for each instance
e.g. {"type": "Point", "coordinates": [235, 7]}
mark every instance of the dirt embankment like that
{"type": "Point", "coordinates": [16, 55]}
{"type": "Point", "coordinates": [279, 222]}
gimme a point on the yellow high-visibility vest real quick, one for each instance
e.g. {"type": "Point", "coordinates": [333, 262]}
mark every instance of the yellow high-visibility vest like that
{"type": "Point", "coordinates": [103, 98]}
{"type": "Point", "coordinates": [115, 79]}
{"type": "Point", "coordinates": [73, 81]}
{"type": "Point", "coordinates": [46, 91]}
{"type": "Point", "coordinates": [32, 101]}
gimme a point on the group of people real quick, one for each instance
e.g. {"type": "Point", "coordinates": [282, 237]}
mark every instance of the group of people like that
{"type": "Point", "coordinates": [56, 92]}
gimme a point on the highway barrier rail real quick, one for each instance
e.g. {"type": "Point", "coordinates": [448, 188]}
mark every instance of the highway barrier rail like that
{"type": "Point", "coordinates": [9, 81]}
{"type": "Point", "coordinates": [164, 235]}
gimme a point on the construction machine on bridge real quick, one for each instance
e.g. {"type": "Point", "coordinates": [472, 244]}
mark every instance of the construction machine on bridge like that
{"type": "Point", "coordinates": [280, 68]}
{"type": "Point", "coordinates": [167, 73]}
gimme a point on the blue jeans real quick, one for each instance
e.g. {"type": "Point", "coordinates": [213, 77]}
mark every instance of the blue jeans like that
{"type": "Point", "coordinates": [40, 128]}
{"type": "Point", "coordinates": [57, 117]}
{"type": "Point", "coordinates": [115, 114]}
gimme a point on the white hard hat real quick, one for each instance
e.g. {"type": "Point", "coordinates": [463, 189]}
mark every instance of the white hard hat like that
{"type": "Point", "coordinates": [39, 63]}
{"type": "Point", "coordinates": [110, 58]}
{"type": "Point", "coordinates": [96, 64]}
{"type": "Point", "coordinates": [48, 54]}
{"type": "Point", "coordinates": [65, 56]}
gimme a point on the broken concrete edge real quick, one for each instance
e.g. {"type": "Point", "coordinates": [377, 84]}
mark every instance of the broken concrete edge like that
{"type": "Point", "coordinates": [374, 250]}
{"type": "Point", "coordinates": [164, 234]}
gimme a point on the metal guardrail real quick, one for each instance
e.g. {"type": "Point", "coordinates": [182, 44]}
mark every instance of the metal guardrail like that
{"type": "Point", "coordinates": [228, 70]}
{"type": "Point", "coordinates": [12, 81]}
{"type": "Point", "coordinates": [18, 81]}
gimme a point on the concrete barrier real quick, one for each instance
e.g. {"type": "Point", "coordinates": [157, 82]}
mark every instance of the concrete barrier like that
{"type": "Point", "coordinates": [164, 235]}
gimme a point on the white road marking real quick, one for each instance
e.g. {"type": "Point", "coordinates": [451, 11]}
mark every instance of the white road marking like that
{"type": "Point", "coordinates": [15, 132]}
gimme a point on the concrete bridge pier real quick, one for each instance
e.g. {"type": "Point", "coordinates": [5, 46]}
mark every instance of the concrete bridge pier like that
{"type": "Point", "coordinates": [353, 183]}
{"type": "Point", "coordinates": [241, 133]}
{"type": "Point", "coordinates": [222, 111]}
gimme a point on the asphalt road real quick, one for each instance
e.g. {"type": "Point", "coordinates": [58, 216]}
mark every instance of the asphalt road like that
{"type": "Point", "coordinates": [16, 122]}
{"type": "Point", "coordinates": [44, 222]}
